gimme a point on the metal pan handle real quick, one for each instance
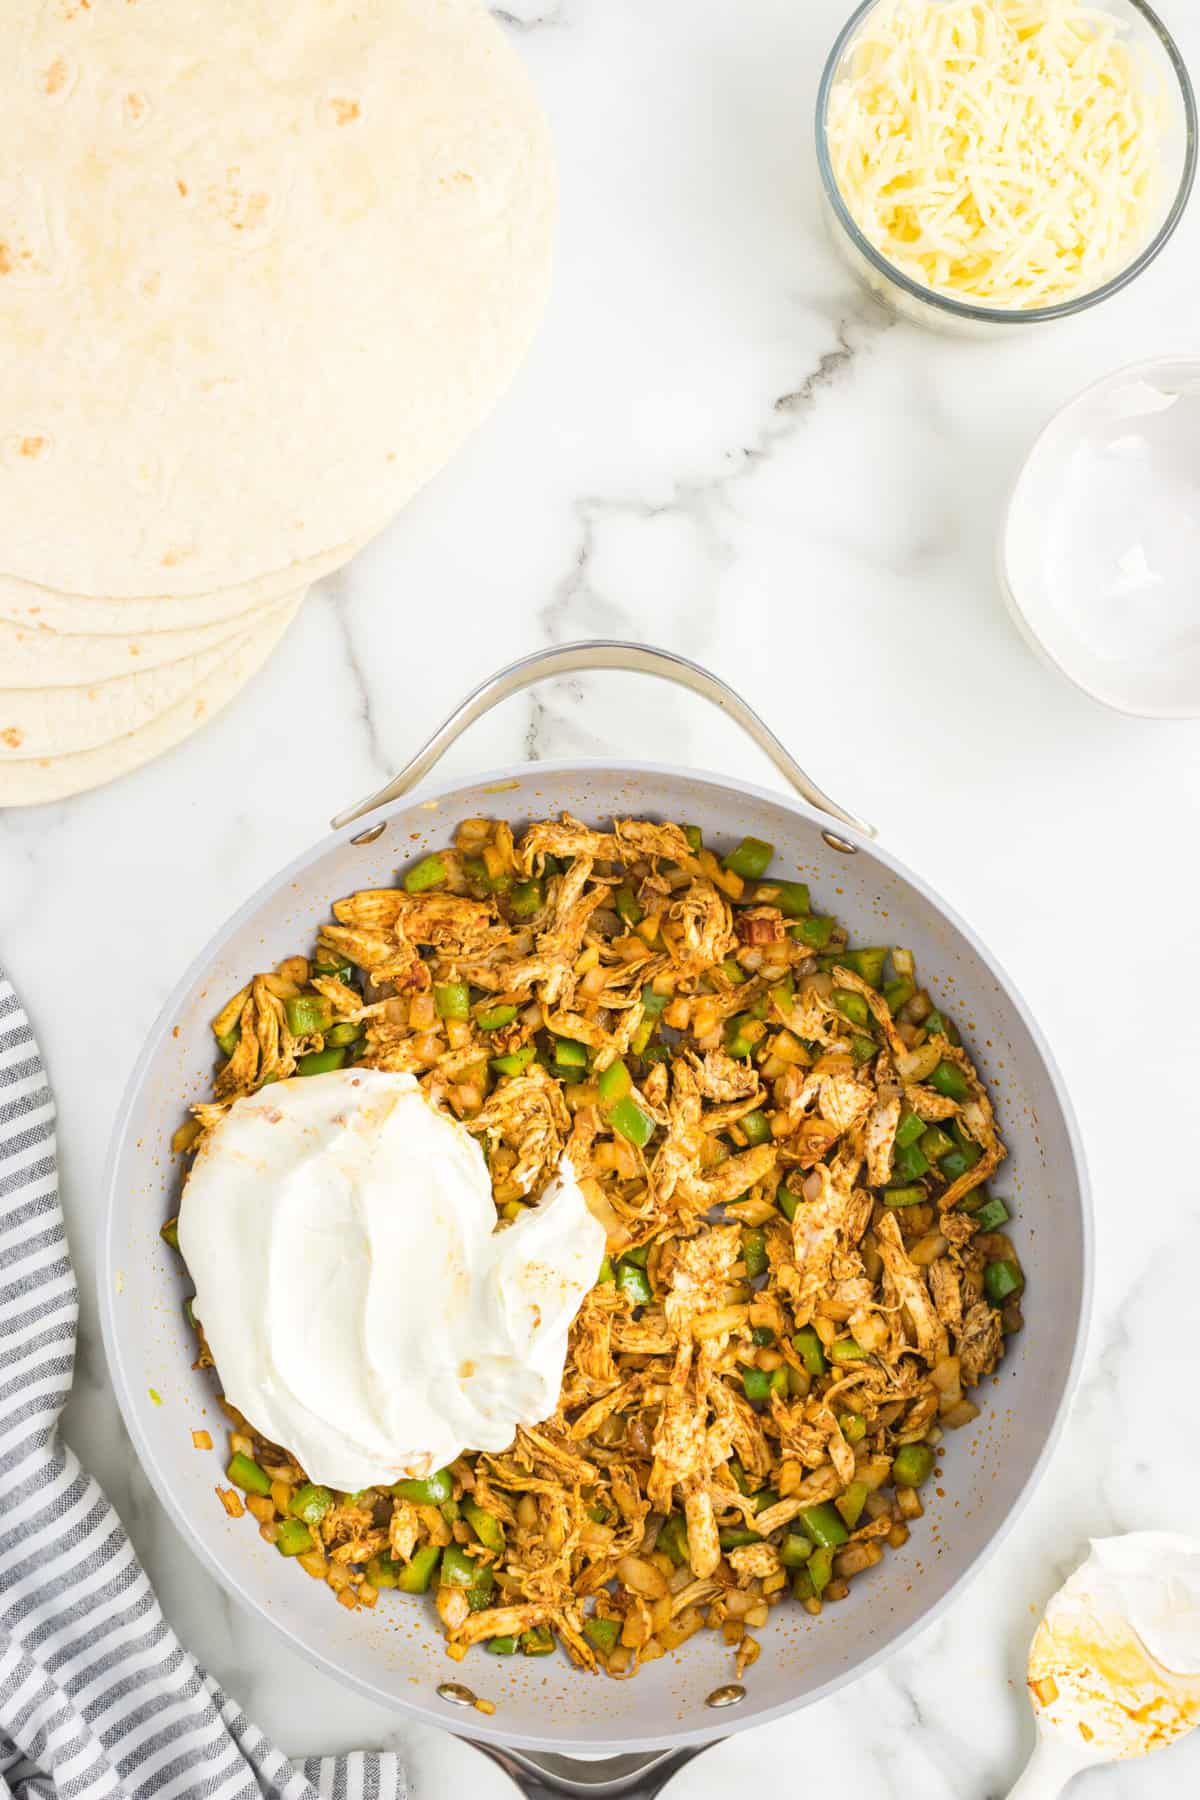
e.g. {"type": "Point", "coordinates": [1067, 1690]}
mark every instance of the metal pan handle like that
{"type": "Point", "coordinates": [614, 1778]}
{"type": "Point", "coordinates": [603, 653]}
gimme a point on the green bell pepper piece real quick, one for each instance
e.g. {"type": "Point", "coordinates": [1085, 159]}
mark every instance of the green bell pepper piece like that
{"type": "Point", "coordinates": [695, 838]}
{"type": "Point", "coordinates": [614, 1083]}
{"type": "Point", "coordinates": [736, 1537]}
{"type": "Point", "coordinates": [938, 1025]}
{"type": "Point", "coordinates": [528, 898]}
{"type": "Point", "coordinates": [292, 1537]}
{"type": "Point", "coordinates": [759, 1384]}
{"type": "Point", "coordinates": [245, 1473]}
{"type": "Point", "coordinates": [903, 1196]}
{"type": "Point", "coordinates": [453, 1000]}
{"type": "Point", "coordinates": [627, 905]}
{"type": "Point", "coordinates": [485, 1525]}
{"type": "Point", "coordinates": [910, 1129]}
{"type": "Point", "coordinates": [852, 1006]}
{"type": "Point", "coordinates": [899, 992]}
{"type": "Point", "coordinates": [810, 1350]}
{"type": "Point", "coordinates": [459, 1569]}
{"type": "Point", "coordinates": [321, 1062]}
{"type": "Point", "coordinates": [308, 1015]}
{"type": "Point", "coordinates": [430, 872]}
{"type": "Point", "coordinates": [762, 1335]}
{"type": "Point", "coordinates": [501, 1646]}
{"type": "Point", "coordinates": [956, 1162]}
{"type": "Point", "coordinates": [570, 1055]}
{"type": "Point", "coordinates": [824, 1525]}
{"type": "Point", "coordinates": [339, 969]}
{"type": "Point", "coordinates": [383, 1571]}
{"type": "Point", "coordinates": [228, 1040]}
{"type": "Point", "coordinates": [634, 1281]}
{"type": "Point", "coordinates": [846, 1350]}
{"type": "Point", "coordinates": [653, 1004]}
{"type": "Point", "coordinates": [815, 931]}
{"type": "Point", "coordinates": [169, 1233]}
{"type": "Point", "coordinates": [673, 1539]}
{"type": "Point", "coordinates": [537, 1641]}
{"type": "Point", "coordinates": [736, 1042]}
{"type": "Point", "coordinates": [936, 1143]}
{"type": "Point", "coordinates": [494, 1018]}
{"type": "Point", "coordinates": [754, 1249]}
{"type": "Point", "coordinates": [750, 860]}
{"type": "Point", "coordinates": [479, 1594]}
{"type": "Point", "coordinates": [347, 1032]}
{"type": "Point", "coordinates": [867, 964]}
{"type": "Point", "coordinates": [850, 1504]}
{"type": "Point", "coordinates": [794, 1551]}
{"type": "Point", "coordinates": [419, 1570]}
{"type": "Point", "coordinates": [633, 1124]}
{"type": "Point", "coordinates": [607, 1276]}
{"type": "Point", "coordinates": [909, 1163]}
{"type": "Point", "coordinates": [602, 1633]}
{"type": "Point", "coordinates": [432, 1491]}
{"type": "Point", "coordinates": [913, 1465]}
{"type": "Point", "coordinates": [789, 1203]}
{"type": "Point", "coordinates": [819, 1569]}
{"type": "Point", "coordinates": [756, 1127]}
{"type": "Point", "coordinates": [948, 1079]}
{"type": "Point", "coordinates": [992, 1215]}
{"type": "Point", "coordinates": [310, 1503]}
{"type": "Point", "coordinates": [791, 897]}
{"type": "Point", "coordinates": [516, 1062]}
{"type": "Point", "coordinates": [854, 1427]}
{"type": "Point", "coordinates": [1001, 1280]}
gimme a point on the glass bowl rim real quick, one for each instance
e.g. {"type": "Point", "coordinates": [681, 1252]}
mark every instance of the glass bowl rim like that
{"type": "Point", "coordinates": [996, 315]}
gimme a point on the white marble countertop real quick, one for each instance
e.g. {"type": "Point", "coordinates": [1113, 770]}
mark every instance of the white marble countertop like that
{"type": "Point", "coordinates": [719, 444]}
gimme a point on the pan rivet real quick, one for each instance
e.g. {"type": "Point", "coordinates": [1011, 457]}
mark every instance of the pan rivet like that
{"type": "Point", "coordinates": [371, 833]}
{"type": "Point", "coordinates": [831, 838]}
{"type": "Point", "coordinates": [456, 1694]}
{"type": "Point", "coordinates": [726, 1696]}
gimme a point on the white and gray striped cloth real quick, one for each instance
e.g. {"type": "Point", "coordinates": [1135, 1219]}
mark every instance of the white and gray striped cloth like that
{"type": "Point", "coordinates": [98, 1698]}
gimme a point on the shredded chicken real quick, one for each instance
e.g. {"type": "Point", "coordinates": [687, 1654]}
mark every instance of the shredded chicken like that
{"type": "Point", "coordinates": [794, 1291]}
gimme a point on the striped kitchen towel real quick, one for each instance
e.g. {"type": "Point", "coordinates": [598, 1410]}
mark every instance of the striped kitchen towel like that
{"type": "Point", "coordinates": [98, 1698]}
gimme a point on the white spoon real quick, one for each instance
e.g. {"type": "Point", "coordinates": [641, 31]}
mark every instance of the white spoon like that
{"type": "Point", "coordinates": [1114, 1667]}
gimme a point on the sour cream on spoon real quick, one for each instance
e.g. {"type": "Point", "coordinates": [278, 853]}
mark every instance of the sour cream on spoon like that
{"type": "Point", "coordinates": [1114, 1667]}
{"type": "Point", "coordinates": [360, 1305]}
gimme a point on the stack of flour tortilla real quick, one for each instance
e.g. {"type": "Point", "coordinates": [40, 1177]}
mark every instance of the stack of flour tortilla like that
{"type": "Point", "coordinates": [263, 265]}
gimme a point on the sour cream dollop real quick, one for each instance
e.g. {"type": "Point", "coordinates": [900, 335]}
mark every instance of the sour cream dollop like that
{"type": "Point", "coordinates": [1116, 1659]}
{"type": "Point", "coordinates": [360, 1304]}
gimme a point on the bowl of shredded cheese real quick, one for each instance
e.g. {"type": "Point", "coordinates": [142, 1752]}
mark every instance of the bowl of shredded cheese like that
{"type": "Point", "coordinates": [1003, 162]}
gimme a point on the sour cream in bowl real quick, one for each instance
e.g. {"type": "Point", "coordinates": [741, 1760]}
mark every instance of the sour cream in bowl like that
{"type": "Point", "coordinates": [361, 1307]}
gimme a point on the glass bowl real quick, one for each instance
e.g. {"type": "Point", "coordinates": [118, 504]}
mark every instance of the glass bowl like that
{"type": "Point", "coordinates": [925, 306]}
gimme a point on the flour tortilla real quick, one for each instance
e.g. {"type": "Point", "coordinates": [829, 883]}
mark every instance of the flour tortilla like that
{"type": "Point", "coordinates": [263, 265]}
{"type": "Point", "coordinates": [23, 603]}
{"type": "Point", "coordinates": [36, 658]}
{"type": "Point", "coordinates": [35, 782]}
{"type": "Point", "coordinates": [59, 721]}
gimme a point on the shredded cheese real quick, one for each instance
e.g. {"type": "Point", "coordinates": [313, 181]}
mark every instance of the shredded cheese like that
{"type": "Point", "coordinates": [1001, 152]}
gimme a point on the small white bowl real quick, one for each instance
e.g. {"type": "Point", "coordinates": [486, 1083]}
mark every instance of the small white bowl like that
{"type": "Point", "coordinates": [1099, 552]}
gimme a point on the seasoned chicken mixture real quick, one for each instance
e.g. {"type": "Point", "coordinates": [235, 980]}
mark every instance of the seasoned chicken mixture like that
{"type": "Point", "coordinates": [788, 1148]}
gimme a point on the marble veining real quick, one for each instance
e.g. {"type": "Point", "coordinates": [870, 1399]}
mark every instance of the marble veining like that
{"type": "Point", "coordinates": [720, 444]}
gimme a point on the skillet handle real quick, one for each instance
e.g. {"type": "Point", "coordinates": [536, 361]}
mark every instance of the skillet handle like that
{"type": "Point", "coordinates": [612, 1778]}
{"type": "Point", "coordinates": [602, 653]}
